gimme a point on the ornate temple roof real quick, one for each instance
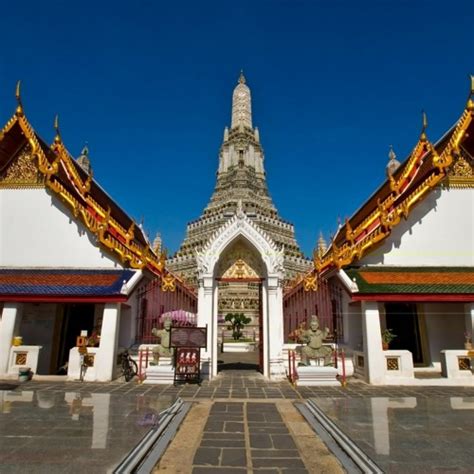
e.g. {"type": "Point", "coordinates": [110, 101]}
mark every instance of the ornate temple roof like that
{"type": "Point", "coordinates": [449, 161]}
{"type": "Point", "coordinates": [74, 285]}
{"type": "Point", "coordinates": [26, 160]}
{"type": "Point", "coordinates": [412, 280]}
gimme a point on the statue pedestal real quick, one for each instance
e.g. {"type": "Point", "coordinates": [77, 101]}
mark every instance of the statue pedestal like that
{"type": "Point", "coordinates": [312, 376]}
{"type": "Point", "coordinates": [159, 374]}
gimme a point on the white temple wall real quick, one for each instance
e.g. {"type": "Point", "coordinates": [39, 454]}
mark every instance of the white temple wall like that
{"type": "Point", "coordinates": [445, 326]}
{"type": "Point", "coordinates": [439, 232]}
{"type": "Point", "coordinates": [37, 231]}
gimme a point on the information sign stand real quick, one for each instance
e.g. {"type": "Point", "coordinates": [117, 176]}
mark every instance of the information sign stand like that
{"type": "Point", "coordinates": [187, 343]}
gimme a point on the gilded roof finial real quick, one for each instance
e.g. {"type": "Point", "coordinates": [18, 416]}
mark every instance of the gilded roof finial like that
{"type": "Point", "coordinates": [391, 153]}
{"type": "Point", "coordinates": [241, 77]}
{"type": "Point", "coordinates": [470, 102]}
{"type": "Point", "coordinates": [19, 108]}
{"type": "Point", "coordinates": [423, 136]}
{"type": "Point", "coordinates": [393, 163]}
{"type": "Point", "coordinates": [57, 138]}
{"type": "Point", "coordinates": [84, 161]}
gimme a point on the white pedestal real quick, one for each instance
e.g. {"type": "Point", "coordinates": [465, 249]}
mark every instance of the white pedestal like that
{"type": "Point", "coordinates": [398, 364]}
{"type": "Point", "coordinates": [450, 364]}
{"type": "Point", "coordinates": [23, 356]}
{"type": "Point", "coordinates": [74, 364]}
{"type": "Point", "coordinates": [312, 376]}
{"type": "Point", "coordinates": [159, 374]}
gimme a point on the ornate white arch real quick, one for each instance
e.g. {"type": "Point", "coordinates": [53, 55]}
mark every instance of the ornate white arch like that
{"type": "Point", "coordinates": [239, 226]}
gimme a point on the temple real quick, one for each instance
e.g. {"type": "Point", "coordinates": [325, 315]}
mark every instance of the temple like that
{"type": "Point", "coordinates": [393, 288]}
{"type": "Point", "coordinates": [241, 184]}
{"type": "Point", "coordinates": [241, 187]}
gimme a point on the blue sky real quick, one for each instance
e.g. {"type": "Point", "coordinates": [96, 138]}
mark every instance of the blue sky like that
{"type": "Point", "coordinates": [148, 85]}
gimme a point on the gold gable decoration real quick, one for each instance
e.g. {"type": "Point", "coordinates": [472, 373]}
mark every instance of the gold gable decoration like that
{"type": "Point", "coordinates": [168, 283]}
{"type": "Point", "coordinates": [240, 270]}
{"type": "Point", "coordinates": [22, 172]}
{"type": "Point", "coordinates": [461, 173]}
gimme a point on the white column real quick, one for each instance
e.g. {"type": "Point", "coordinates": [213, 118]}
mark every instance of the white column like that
{"type": "Point", "coordinates": [374, 357]}
{"type": "Point", "coordinates": [9, 324]}
{"type": "Point", "coordinates": [108, 342]}
{"type": "Point", "coordinates": [273, 348]}
{"type": "Point", "coordinates": [204, 317]}
{"type": "Point", "coordinates": [469, 319]}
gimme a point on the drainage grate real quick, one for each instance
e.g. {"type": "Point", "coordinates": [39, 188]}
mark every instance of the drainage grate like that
{"type": "Point", "coordinates": [144, 456]}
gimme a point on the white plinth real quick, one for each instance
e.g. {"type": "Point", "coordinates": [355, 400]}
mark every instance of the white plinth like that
{"type": "Point", "coordinates": [450, 364]}
{"type": "Point", "coordinates": [159, 374]}
{"type": "Point", "coordinates": [238, 347]}
{"type": "Point", "coordinates": [314, 376]}
{"type": "Point", "coordinates": [74, 365]}
{"type": "Point", "coordinates": [27, 355]}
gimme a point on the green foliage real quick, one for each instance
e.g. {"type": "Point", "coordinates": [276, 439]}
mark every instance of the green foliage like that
{"type": "Point", "coordinates": [237, 322]}
{"type": "Point", "coordinates": [388, 336]}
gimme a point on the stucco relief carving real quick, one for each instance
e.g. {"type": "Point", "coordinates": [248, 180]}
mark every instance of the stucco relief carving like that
{"type": "Point", "coordinates": [240, 225]}
{"type": "Point", "coordinates": [22, 171]}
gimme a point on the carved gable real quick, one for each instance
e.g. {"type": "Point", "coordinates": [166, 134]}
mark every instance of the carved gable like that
{"type": "Point", "coordinates": [22, 171]}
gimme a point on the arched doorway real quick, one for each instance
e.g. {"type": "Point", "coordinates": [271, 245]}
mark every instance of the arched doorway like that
{"type": "Point", "coordinates": [240, 232]}
{"type": "Point", "coordinates": [240, 273]}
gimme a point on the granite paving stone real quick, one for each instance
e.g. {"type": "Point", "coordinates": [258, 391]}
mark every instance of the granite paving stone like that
{"type": "Point", "coordinates": [292, 463]}
{"type": "Point", "coordinates": [207, 456]}
{"type": "Point", "coordinates": [234, 457]}
{"type": "Point", "coordinates": [223, 443]}
{"type": "Point", "coordinates": [275, 453]}
{"type": "Point", "coordinates": [214, 426]}
{"type": "Point", "coordinates": [260, 441]}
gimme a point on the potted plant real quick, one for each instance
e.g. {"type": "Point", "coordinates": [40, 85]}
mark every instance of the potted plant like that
{"type": "Point", "coordinates": [237, 322]}
{"type": "Point", "coordinates": [387, 338]}
{"type": "Point", "coordinates": [467, 341]}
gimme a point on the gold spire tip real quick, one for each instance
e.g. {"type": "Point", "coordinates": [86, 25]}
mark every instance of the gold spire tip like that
{"type": "Point", "coordinates": [57, 138]}
{"type": "Point", "coordinates": [424, 121]}
{"type": "Point", "coordinates": [470, 102]}
{"type": "Point", "coordinates": [17, 91]}
{"type": "Point", "coordinates": [19, 108]}
{"type": "Point", "coordinates": [241, 77]}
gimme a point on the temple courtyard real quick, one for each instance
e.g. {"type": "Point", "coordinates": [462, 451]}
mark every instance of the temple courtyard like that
{"type": "Point", "coordinates": [238, 422]}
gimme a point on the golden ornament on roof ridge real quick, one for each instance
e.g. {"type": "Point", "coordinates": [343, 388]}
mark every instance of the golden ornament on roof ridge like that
{"type": "Point", "coordinates": [19, 108]}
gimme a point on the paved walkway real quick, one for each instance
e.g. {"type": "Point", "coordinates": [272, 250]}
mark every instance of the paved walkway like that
{"type": "Point", "coordinates": [240, 437]}
{"type": "Point", "coordinates": [239, 422]}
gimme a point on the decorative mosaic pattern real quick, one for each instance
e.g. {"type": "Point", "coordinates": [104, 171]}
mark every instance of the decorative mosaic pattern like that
{"type": "Point", "coordinates": [20, 358]}
{"type": "Point", "coordinates": [464, 363]}
{"type": "Point", "coordinates": [393, 363]}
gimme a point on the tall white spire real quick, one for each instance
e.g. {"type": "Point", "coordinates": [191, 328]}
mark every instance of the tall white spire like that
{"type": "Point", "coordinates": [241, 105]}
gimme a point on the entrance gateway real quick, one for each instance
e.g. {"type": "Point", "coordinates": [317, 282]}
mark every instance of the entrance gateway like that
{"type": "Point", "coordinates": [242, 232]}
